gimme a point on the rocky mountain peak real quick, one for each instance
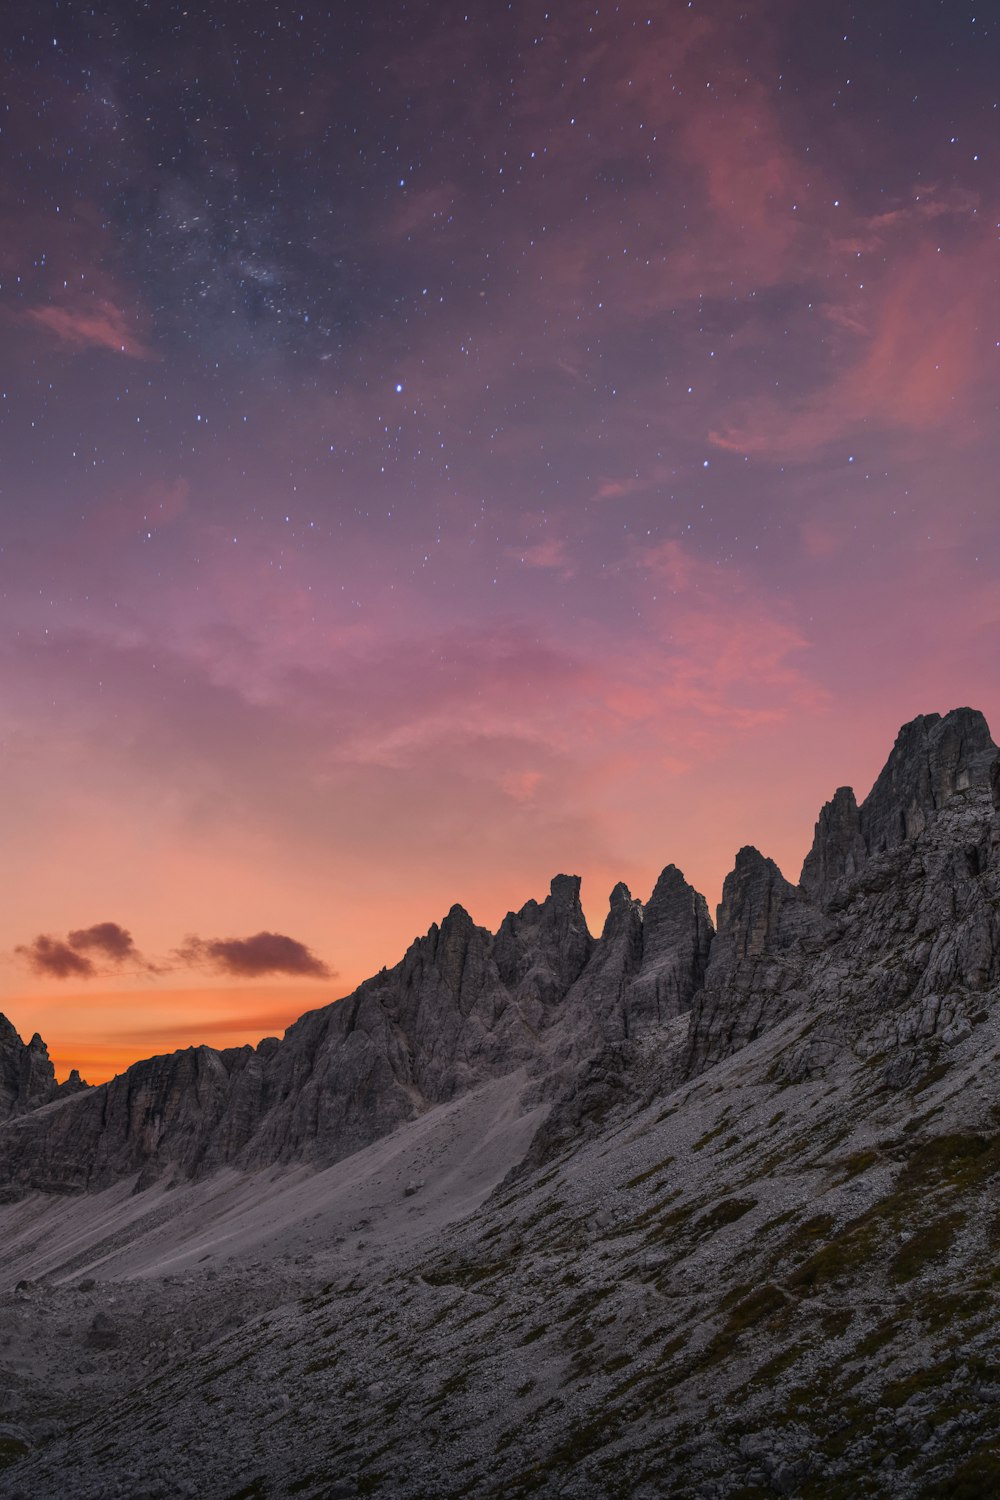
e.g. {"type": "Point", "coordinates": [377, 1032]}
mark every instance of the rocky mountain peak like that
{"type": "Point", "coordinates": [624, 914]}
{"type": "Point", "coordinates": [838, 849]}
{"type": "Point", "coordinates": [933, 759]}
{"type": "Point", "coordinates": [752, 977]}
{"type": "Point", "coordinates": [677, 937]}
{"type": "Point", "coordinates": [541, 950]}
{"type": "Point", "coordinates": [752, 896]}
{"type": "Point", "coordinates": [27, 1077]}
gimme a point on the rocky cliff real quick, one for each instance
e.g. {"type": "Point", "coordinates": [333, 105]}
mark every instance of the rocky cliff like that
{"type": "Point", "coordinates": [27, 1077]}
{"type": "Point", "coordinates": [896, 919]}
{"type": "Point", "coordinates": [892, 932]}
{"type": "Point", "coordinates": [462, 1006]}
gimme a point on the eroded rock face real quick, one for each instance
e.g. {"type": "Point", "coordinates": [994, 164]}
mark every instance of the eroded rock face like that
{"type": "Point", "coordinates": [899, 901]}
{"type": "Point", "coordinates": [933, 758]}
{"type": "Point", "coordinates": [27, 1078]}
{"type": "Point", "coordinates": [541, 950]}
{"type": "Point", "coordinates": [462, 1006]}
{"type": "Point", "coordinates": [838, 850]}
{"type": "Point", "coordinates": [767, 930]}
{"type": "Point", "coordinates": [893, 930]}
{"type": "Point", "coordinates": [677, 936]}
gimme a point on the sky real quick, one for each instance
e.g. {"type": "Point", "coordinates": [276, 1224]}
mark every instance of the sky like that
{"type": "Point", "coordinates": [443, 445]}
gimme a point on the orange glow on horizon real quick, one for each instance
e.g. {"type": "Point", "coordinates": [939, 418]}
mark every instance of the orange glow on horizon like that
{"type": "Point", "coordinates": [126, 1026]}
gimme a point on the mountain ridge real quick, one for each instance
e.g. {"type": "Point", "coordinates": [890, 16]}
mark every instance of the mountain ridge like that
{"type": "Point", "coordinates": [464, 1005]}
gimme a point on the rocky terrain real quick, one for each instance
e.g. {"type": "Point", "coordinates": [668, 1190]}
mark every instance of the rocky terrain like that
{"type": "Point", "coordinates": [669, 1212]}
{"type": "Point", "coordinates": [27, 1077]}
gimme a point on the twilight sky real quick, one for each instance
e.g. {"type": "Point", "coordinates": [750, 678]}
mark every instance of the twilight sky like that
{"type": "Point", "coordinates": [446, 444]}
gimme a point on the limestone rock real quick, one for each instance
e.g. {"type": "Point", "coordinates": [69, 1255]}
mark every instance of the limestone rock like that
{"type": "Point", "coordinates": [932, 759]}
{"type": "Point", "coordinates": [541, 950]}
{"type": "Point", "coordinates": [677, 937]}
{"type": "Point", "coordinates": [838, 850]}
{"type": "Point", "coordinates": [767, 931]}
{"type": "Point", "coordinates": [899, 904]}
{"type": "Point", "coordinates": [27, 1077]}
{"type": "Point", "coordinates": [103, 1332]}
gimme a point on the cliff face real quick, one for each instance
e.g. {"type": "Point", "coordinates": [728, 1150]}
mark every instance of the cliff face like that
{"type": "Point", "coordinates": [896, 922]}
{"type": "Point", "coordinates": [462, 1006]}
{"type": "Point", "coordinates": [892, 933]}
{"type": "Point", "coordinates": [27, 1078]}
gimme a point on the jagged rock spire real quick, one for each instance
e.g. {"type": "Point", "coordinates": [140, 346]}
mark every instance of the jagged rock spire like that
{"type": "Point", "coordinates": [27, 1077]}
{"type": "Point", "coordinates": [838, 849]}
{"type": "Point", "coordinates": [933, 760]}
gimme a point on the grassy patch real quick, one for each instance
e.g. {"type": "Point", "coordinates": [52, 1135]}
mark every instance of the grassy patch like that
{"type": "Point", "coordinates": [928, 1244]}
{"type": "Point", "coordinates": [837, 1321]}
{"type": "Point", "coordinates": [855, 1164]}
{"type": "Point", "coordinates": [976, 1478]}
{"type": "Point", "coordinates": [764, 1306]}
{"type": "Point", "coordinates": [846, 1253]}
{"type": "Point", "coordinates": [654, 1171]}
{"type": "Point", "coordinates": [725, 1212]}
{"type": "Point", "coordinates": [958, 1161]}
{"type": "Point", "coordinates": [11, 1449]}
{"type": "Point", "coordinates": [769, 1372]}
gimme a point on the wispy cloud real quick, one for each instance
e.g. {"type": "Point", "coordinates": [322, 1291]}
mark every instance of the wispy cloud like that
{"type": "Point", "coordinates": [93, 325]}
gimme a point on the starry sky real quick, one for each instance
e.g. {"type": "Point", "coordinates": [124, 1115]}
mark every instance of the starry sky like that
{"type": "Point", "coordinates": [444, 444]}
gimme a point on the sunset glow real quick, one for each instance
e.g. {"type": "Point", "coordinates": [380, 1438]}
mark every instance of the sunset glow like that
{"type": "Point", "coordinates": [436, 456]}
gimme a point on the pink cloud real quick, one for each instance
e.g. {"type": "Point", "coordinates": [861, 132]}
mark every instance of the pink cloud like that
{"type": "Point", "coordinates": [924, 355]}
{"type": "Point", "coordinates": [98, 325]}
{"type": "Point", "coordinates": [521, 786]}
{"type": "Point", "coordinates": [551, 554]}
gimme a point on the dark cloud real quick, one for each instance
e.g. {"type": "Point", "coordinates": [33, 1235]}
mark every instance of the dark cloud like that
{"type": "Point", "coordinates": [108, 939]}
{"type": "Point", "coordinates": [73, 957]}
{"type": "Point", "coordinates": [264, 953]}
{"type": "Point", "coordinates": [58, 960]}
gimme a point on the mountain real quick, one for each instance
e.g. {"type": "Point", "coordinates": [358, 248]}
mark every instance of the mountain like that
{"type": "Point", "coordinates": [462, 1006]}
{"type": "Point", "coordinates": [27, 1077]}
{"type": "Point", "coordinates": [672, 1211]}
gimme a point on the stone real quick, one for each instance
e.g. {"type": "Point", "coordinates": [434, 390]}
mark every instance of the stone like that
{"type": "Point", "coordinates": [933, 759]}
{"type": "Point", "coordinates": [104, 1332]}
{"type": "Point", "coordinates": [838, 849]}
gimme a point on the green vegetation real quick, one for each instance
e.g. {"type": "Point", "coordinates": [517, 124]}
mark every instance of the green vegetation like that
{"type": "Point", "coordinates": [709, 1136]}
{"type": "Point", "coordinates": [927, 1244]}
{"type": "Point", "coordinates": [856, 1163]}
{"type": "Point", "coordinates": [839, 1257]}
{"type": "Point", "coordinates": [977, 1478]}
{"type": "Point", "coordinates": [767, 1305]}
{"type": "Point", "coordinates": [727, 1211]}
{"type": "Point", "coordinates": [11, 1449]}
{"type": "Point", "coordinates": [956, 1161]}
{"type": "Point", "coordinates": [654, 1171]}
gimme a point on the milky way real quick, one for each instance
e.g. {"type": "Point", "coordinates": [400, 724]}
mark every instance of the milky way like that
{"type": "Point", "coordinates": [446, 445]}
